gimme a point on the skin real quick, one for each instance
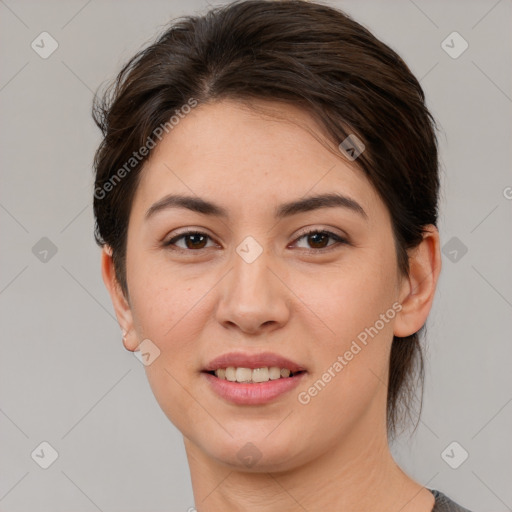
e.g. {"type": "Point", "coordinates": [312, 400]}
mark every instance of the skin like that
{"type": "Point", "coordinates": [333, 452]}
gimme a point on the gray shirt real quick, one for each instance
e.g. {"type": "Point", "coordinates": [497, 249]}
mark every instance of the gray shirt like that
{"type": "Point", "coordinates": [445, 504]}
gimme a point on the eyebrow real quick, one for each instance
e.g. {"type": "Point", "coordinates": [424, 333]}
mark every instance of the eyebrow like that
{"type": "Point", "coordinates": [307, 204]}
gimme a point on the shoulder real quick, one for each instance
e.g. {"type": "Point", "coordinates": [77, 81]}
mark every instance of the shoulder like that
{"type": "Point", "coordinates": [445, 504]}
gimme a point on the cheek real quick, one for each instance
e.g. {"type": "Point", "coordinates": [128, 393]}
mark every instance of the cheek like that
{"type": "Point", "coordinates": [351, 365]}
{"type": "Point", "coordinates": [165, 306]}
{"type": "Point", "coordinates": [167, 311]}
{"type": "Point", "coordinates": [350, 298]}
{"type": "Point", "coordinates": [161, 299]}
{"type": "Point", "coordinates": [354, 307]}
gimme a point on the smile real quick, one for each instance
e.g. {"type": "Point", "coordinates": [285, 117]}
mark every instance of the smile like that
{"type": "Point", "coordinates": [243, 378]}
{"type": "Point", "coordinates": [252, 376]}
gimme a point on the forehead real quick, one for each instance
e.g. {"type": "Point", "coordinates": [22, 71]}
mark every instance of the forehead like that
{"type": "Point", "coordinates": [249, 157]}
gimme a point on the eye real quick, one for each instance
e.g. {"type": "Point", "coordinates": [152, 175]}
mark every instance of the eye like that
{"type": "Point", "coordinates": [196, 240]}
{"type": "Point", "coordinates": [317, 238]}
{"type": "Point", "coordinates": [193, 240]}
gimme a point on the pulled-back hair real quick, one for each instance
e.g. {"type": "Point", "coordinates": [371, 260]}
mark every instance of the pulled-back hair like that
{"type": "Point", "coordinates": [302, 53]}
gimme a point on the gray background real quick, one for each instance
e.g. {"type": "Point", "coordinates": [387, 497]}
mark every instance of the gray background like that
{"type": "Point", "coordinates": [65, 376]}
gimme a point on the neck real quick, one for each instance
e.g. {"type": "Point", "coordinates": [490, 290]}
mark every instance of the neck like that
{"type": "Point", "coordinates": [359, 474]}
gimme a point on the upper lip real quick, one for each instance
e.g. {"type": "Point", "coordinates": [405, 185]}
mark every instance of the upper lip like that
{"type": "Point", "coordinates": [260, 360]}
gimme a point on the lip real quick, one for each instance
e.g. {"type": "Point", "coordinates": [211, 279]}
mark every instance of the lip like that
{"type": "Point", "coordinates": [252, 394]}
{"type": "Point", "coordinates": [252, 361]}
{"type": "Point", "coordinates": [257, 393]}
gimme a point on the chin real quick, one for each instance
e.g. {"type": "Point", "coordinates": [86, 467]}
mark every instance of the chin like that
{"type": "Point", "coordinates": [255, 453]}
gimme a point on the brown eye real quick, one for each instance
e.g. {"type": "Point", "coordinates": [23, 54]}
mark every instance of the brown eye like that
{"type": "Point", "coordinates": [193, 240]}
{"type": "Point", "coordinates": [318, 239]}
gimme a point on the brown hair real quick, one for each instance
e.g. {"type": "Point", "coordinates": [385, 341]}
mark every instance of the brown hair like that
{"type": "Point", "coordinates": [304, 53]}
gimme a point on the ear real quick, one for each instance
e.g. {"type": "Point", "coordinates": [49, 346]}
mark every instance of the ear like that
{"type": "Point", "coordinates": [418, 289]}
{"type": "Point", "coordinates": [120, 303]}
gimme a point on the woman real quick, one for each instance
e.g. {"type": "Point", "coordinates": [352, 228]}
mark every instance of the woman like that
{"type": "Point", "coordinates": [266, 199]}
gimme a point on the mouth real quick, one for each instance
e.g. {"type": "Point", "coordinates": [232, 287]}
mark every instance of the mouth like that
{"type": "Point", "coordinates": [241, 375]}
{"type": "Point", "coordinates": [252, 379]}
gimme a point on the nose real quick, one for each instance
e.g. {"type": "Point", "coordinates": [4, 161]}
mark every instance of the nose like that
{"type": "Point", "coordinates": [254, 297]}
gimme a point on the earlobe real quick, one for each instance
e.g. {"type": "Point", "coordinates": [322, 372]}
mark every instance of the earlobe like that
{"type": "Point", "coordinates": [121, 306]}
{"type": "Point", "coordinates": [418, 288]}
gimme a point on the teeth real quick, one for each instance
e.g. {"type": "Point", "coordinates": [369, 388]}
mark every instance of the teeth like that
{"type": "Point", "coordinates": [247, 375]}
{"type": "Point", "coordinates": [260, 375]}
{"type": "Point", "coordinates": [274, 373]}
{"type": "Point", "coordinates": [230, 374]}
{"type": "Point", "coordinates": [243, 374]}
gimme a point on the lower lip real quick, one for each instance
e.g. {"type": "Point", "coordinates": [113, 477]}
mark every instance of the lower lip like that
{"type": "Point", "coordinates": [252, 394]}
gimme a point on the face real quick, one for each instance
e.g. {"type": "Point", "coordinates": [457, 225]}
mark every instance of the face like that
{"type": "Point", "coordinates": [314, 289]}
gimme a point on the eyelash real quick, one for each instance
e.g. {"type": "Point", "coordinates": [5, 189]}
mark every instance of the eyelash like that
{"type": "Point", "coordinates": [340, 240]}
